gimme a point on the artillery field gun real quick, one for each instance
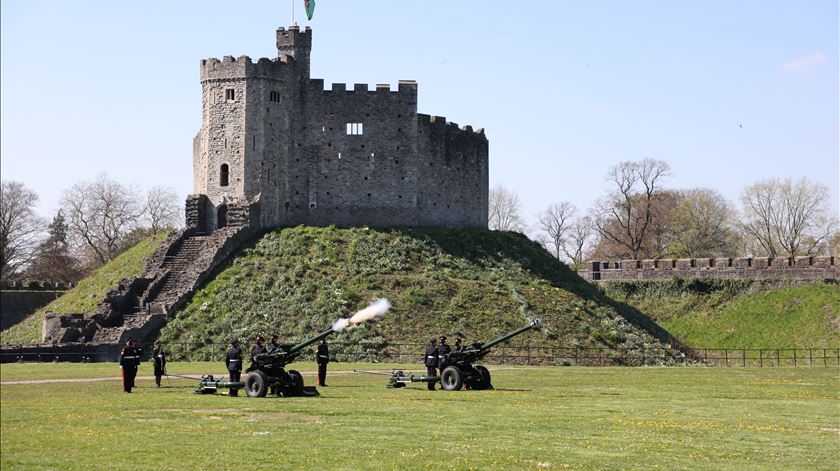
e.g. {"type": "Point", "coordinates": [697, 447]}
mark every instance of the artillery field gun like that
{"type": "Point", "coordinates": [267, 371]}
{"type": "Point", "coordinates": [457, 370]}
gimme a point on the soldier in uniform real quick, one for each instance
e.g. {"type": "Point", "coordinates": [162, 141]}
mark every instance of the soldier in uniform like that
{"type": "Point", "coordinates": [159, 359]}
{"type": "Point", "coordinates": [431, 361]}
{"type": "Point", "coordinates": [272, 345]}
{"type": "Point", "coordinates": [129, 361]}
{"type": "Point", "coordinates": [443, 353]}
{"type": "Point", "coordinates": [233, 362]}
{"type": "Point", "coordinates": [458, 347]}
{"type": "Point", "coordinates": [258, 349]}
{"type": "Point", "coordinates": [322, 357]}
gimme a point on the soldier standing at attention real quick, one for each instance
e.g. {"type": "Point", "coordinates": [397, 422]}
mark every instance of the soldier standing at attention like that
{"type": "Point", "coordinates": [233, 362]}
{"type": "Point", "coordinates": [443, 353]}
{"type": "Point", "coordinates": [431, 361]}
{"type": "Point", "coordinates": [129, 361]}
{"type": "Point", "coordinates": [322, 357]}
{"type": "Point", "coordinates": [272, 345]}
{"type": "Point", "coordinates": [159, 358]}
{"type": "Point", "coordinates": [258, 349]}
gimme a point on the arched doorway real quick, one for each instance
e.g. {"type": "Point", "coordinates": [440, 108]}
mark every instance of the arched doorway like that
{"type": "Point", "coordinates": [221, 217]}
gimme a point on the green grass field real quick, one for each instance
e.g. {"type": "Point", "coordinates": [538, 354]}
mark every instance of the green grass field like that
{"type": "Point", "coordinates": [537, 418]}
{"type": "Point", "coordinates": [710, 313]}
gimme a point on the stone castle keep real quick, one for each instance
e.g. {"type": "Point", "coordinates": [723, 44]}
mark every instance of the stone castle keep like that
{"type": "Point", "coordinates": [276, 149]}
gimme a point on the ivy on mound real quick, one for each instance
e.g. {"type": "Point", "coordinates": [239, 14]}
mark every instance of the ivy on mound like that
{"type": "Point", "coordinates": [296, 281]}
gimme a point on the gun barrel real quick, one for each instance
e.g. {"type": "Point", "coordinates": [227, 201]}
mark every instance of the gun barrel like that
{"type": "Point", "coordinates": [531, 325]}
{"type": "Point", "coordinates": [309, 342]}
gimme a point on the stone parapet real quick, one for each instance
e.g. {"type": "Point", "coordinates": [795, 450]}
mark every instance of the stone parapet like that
{"type": "Point", "coordinates": [804, 268]}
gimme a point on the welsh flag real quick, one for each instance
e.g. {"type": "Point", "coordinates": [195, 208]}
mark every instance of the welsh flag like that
{"type": "Point", "coordinates": [309, 6]}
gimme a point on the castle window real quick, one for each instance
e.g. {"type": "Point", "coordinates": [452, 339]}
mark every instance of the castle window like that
{"type": "Point", "coordinates": [355, 129]}
{"type": "Point", "coordinates": [230, 94]}
{"type": "Point", "coordinates": [274, 97]}
{"type": "Point", "coordinates": [223, 175]}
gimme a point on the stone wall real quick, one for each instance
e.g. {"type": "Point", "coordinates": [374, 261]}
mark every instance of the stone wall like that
{"type": "Point", "coordinates": [805, 268]}
{"type": "Point", "coordinates": [344, 155]}
{"type": "Point", "coordinates": [16, 305]}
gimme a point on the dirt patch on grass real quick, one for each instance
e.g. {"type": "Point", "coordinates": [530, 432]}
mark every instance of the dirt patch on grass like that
{"type": "Point", "coordinates": [215, 411]}
{"type": "Point", "coordinates": [283, 417]}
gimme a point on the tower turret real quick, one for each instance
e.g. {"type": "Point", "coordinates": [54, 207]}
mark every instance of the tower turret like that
{"type": "Point", "coordinates": [297, 44]}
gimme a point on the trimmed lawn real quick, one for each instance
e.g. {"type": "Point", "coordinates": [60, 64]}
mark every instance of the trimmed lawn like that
{"type": "Point", "coordinates": [537, 418]}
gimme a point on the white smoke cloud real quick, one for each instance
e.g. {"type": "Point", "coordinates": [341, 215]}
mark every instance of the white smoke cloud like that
{"type": "Point", "coordinates": [377, 309]}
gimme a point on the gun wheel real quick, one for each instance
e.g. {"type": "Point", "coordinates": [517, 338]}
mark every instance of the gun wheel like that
{"type": "Point", "coordinates": [296, 382]}
{"type": "Point", "coordinates": [484, 378]}
{"type": "Point", "coordinates": [256, 384]}
{"type": "Point", "coordinates": [451, 379]}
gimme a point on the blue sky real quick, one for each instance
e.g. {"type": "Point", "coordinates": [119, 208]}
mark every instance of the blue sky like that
{"type": "Point", "coordinates": [728, 92]}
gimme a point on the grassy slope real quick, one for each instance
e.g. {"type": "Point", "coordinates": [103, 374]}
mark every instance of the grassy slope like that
{"type": "Point", "coordinates": [738, 313]}
{"type": "Point", "coordinates": [87, 295]}
{"type": "Point", "coordinates": [297, 281]}
{"type": "Point", "coordinates": [539, 418]}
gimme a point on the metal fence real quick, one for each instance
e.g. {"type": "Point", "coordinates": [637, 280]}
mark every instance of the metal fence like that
{"type": "Point", "coordinates": [533, 355]}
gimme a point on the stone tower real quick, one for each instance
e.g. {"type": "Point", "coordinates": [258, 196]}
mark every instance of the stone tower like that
{"type": "Point", "coordinates": [277, 149]}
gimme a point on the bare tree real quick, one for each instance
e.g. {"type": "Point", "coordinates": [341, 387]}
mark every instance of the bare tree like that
{"type": "Point", "coordinates": [802, 220]}
{"type": "Point", "coordinates": [555, 222]}
{"type": "Point", "coordinates": [701, 225]}
{"type": "Point", "coordinates": [20, 227]}
{"type": "Point", "coordinates": [161, 209]}
{"type": "Point", "coordinates": [758, 201]}
{"type": "Point", "coordinates": [100, 214]}
{"type": "Point", "coordinates": [624, 217]}
{"type": "Point", "coordinates": [787, 217]}
{"type": "Point", "coordinates": [504, 210]}
{"type": "Point", "coordinates": [578, 240]}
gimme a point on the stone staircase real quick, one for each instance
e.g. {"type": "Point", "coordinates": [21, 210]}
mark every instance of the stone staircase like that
{"type": "Point", "coordinates": [139, 307]}
{"type": "Point", "coordinates": [178, 274]}
{"type": "Point", "coordinates": [131, 321]}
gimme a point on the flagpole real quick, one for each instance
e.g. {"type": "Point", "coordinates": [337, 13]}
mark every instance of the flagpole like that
{"type": "Point", "coordinates": [293, 13]}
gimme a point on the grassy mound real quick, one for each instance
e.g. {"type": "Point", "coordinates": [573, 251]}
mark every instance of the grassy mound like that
{"type": "Point", "coordinates": [710, 313]}
{"type": "Point", "coordinates": [87, 295]}
{"type": "Point", "coordinates": [297, 281]}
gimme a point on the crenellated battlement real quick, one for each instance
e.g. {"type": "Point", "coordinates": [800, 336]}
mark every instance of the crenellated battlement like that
{"type": "Point", "coordinates": [230, 67]}
{"type": "Point", "coordinates": [440, 123]}
{"type": "Point", "coordinates": [406, 88]}
{"type": "Point", "coordinates": [288, 40]}
{"type": "Point", "coordinates": [816, 268]}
